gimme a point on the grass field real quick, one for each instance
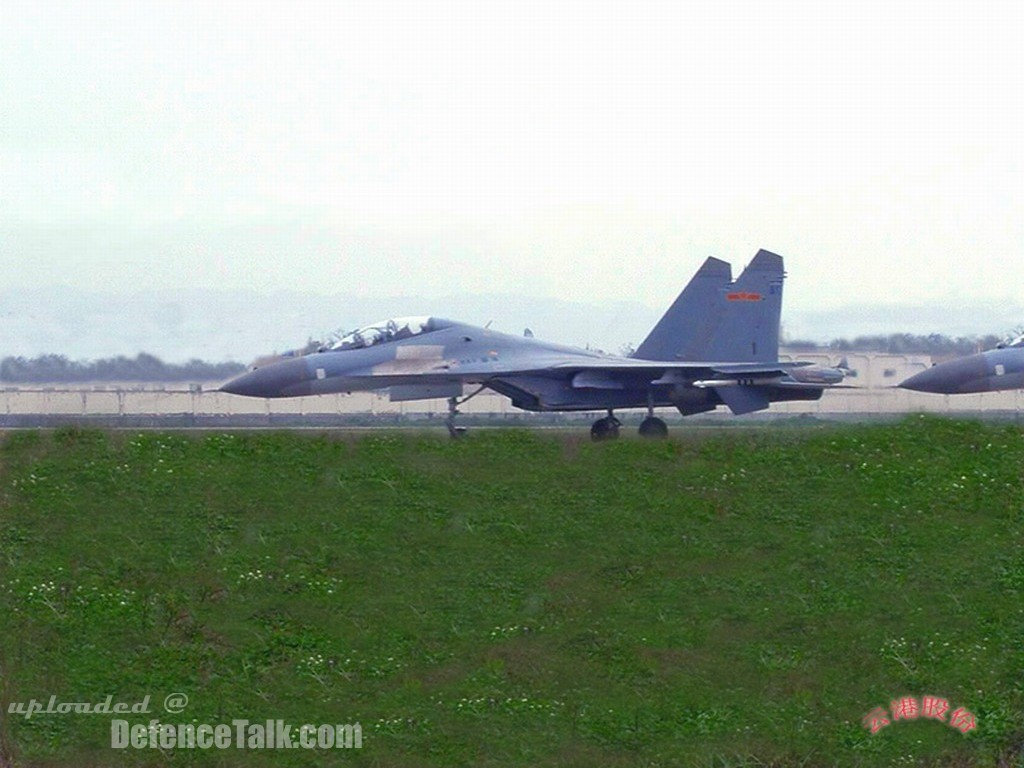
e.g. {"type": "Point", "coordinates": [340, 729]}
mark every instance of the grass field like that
{"type": "Point", "coordinates": [724, 598]}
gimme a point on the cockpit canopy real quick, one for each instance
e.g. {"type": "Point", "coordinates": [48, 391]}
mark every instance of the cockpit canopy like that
{"type": "Point", "coordinates": [1015, 342]}
{"type": "Point", "coordinates": [394, 329]}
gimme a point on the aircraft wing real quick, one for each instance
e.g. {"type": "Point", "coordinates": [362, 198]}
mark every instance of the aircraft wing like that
{"type": "Point", "coordinates": [736, 383]}
{"type": "Point", "coordinates": [628, 365]}
{"type": "Point", "coordinates": [589, 371]}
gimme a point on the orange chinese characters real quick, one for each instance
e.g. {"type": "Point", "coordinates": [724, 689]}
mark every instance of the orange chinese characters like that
{"type": "Point", "coordinates": [911, 708]}
{"type": "Point", "coordinates": [876, 719]}
{"type": "Point", "coordinates": [962, 720]}
{"type": "Point", "coordinates": [934, 707]}
{"type": "Point", "coordinates": [905, 708]}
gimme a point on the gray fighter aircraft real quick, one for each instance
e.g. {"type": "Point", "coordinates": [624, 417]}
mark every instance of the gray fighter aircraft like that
{"type": "Point", "coordinates": [717, 344]}
{"type": "Point", "coordinates": [996, 369]}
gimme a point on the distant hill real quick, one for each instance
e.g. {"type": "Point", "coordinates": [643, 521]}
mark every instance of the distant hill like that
{"type": "Point", "coordinates": [147, 367]}
{"type": "Point", "coordinates": [186, 325]}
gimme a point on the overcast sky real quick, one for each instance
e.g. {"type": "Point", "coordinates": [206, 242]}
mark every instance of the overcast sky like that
{"type": "Point", "coordinates": [581, 150]}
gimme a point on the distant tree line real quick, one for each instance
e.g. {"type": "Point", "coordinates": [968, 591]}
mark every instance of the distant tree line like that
{"type": "Point", "coordinates": [934, 344]}
{"type": "Point", "coordinates": [142, 367]}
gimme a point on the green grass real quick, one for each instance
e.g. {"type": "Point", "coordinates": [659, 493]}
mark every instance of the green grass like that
{"type": "Point", "coordinates": [734, 598]}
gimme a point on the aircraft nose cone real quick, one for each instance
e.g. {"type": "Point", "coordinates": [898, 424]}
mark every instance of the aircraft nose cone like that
{"type": "Point", "coordinates": [949, 378]}
{"type": "Point", "coordinates": [275, 380]}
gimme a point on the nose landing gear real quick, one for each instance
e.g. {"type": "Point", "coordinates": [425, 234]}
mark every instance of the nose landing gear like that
{"type": "Point", "coordinates": [449, 422]}
{"type": "Point", "coordinates": [453, 411]}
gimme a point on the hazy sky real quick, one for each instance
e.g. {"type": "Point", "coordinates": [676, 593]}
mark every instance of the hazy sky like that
{"type": "Point", "coordinates": [580, 150]}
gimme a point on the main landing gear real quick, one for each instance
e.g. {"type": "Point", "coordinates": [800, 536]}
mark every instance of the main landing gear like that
{"type": "Point", "coordinates": [654, 428]}
{"type": "Point", "coordinates": [606, 428]}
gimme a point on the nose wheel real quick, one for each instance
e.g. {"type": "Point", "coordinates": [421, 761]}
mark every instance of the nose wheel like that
{"type": "Point", "coordinates": [453, 411]}
{"type": "Point", "coordinates": [449, 422]}
{"type": "Point", "coordinates": [606, 428]}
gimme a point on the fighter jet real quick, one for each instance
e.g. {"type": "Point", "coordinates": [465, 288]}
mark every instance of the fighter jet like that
{"type": "Point", "coordinates": [996, 369]}
{"type": "Point", "coordinates": [717, 344]}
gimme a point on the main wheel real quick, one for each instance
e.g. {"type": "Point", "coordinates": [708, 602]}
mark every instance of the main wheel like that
{"type": "Point", "coordinates": [605, 429]}
{"type": "Point", "coordinates": [654, 428]}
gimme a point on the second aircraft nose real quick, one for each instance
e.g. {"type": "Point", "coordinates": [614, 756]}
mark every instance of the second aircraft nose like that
{"type": "Point", "coordinates": [953, 377]}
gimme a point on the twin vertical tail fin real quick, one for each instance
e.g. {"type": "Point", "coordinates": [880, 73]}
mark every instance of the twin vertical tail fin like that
{"type": "Point", "coordinates": [749, 330]}
{"type": "Point", "coordinates": [716, 320]}
{"type": "Point", "coordinates": [689, 324]}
